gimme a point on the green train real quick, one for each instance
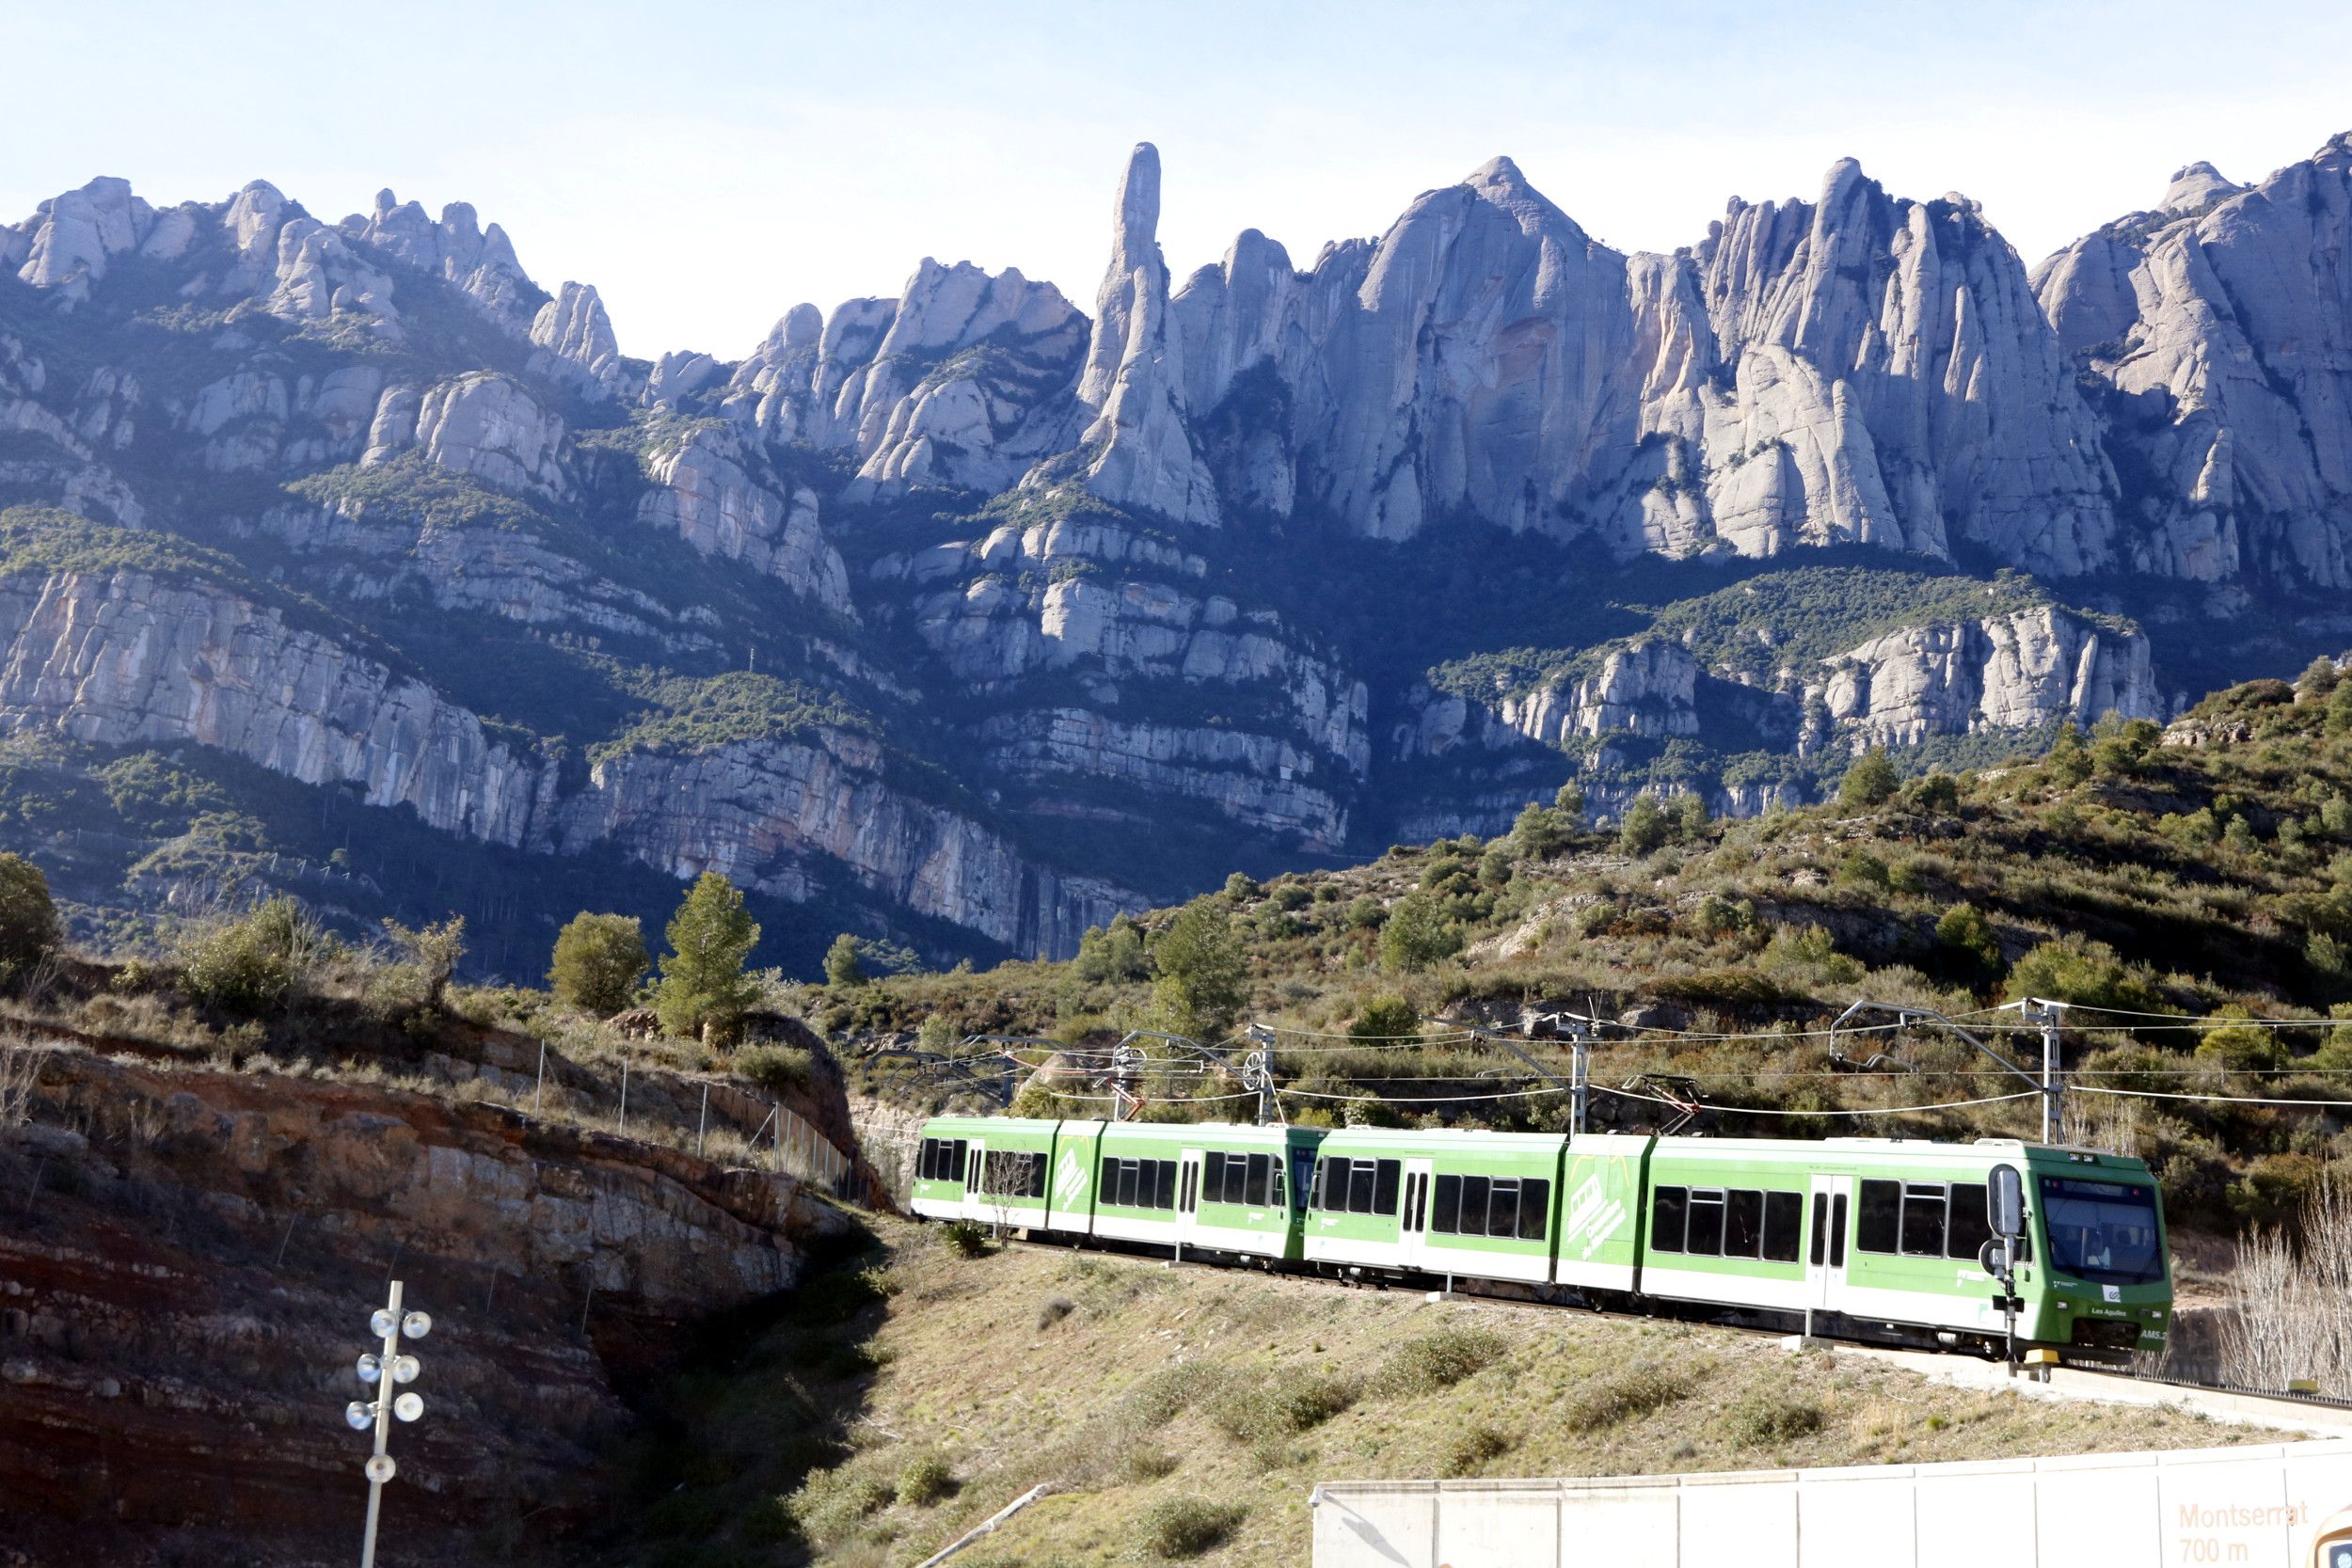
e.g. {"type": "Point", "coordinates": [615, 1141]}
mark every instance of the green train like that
{"type": "Point", "coordinates": [1861, 1238]}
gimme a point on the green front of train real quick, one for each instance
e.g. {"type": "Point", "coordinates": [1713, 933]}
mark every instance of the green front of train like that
{"type": "Point", "coordinates": [1884, 1238]}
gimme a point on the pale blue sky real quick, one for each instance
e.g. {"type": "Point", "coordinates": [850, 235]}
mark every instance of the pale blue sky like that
{"type": "Point", "coordinates": [707, 164]}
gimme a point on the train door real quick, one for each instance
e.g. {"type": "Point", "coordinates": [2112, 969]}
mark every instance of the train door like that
{"type": "Point", "coordinates": [1412, 1224]}
{"type": "Point", "coordinates": [1825, 1245]}
{"type": "Point", "coordinates": [1188, 1199]}
{"type": "Point", "coordinates": [976, 1203]}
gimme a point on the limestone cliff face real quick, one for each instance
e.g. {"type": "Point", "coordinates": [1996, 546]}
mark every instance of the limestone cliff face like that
{"type": "Point", "coordinates": [124, 658]}
{"type": "Point", "coordinates": [1890, 381]}
{"type": "Point", "coordinates": [2222, 323]}
{"type": "Point", "coordinates": [1124, 614]}
{"type": "Point", "coordinates": [958, 383]}
{"type": "Point", "coordinates": [774, 815]}
{"type": "Point", "coordinates": [725, 500]}
{"type": "Point", "coordinates": [2019, 670]}
{"type": "Point", "coordinates": [2013, 671]}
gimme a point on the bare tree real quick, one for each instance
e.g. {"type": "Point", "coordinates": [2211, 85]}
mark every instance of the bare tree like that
{"type": "Point", "coordinates": [2291, 1318]}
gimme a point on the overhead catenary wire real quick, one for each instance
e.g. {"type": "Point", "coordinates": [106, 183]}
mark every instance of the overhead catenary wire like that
{"type": "Point", "coordinates": [1843, 1111]}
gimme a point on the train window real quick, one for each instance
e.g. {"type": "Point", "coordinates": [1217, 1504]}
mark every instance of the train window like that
{"type": "Point", "coordinates": [1362, 1179]}
{"type": "Point", "coordinates": [1966, 1230]}
{"type": "Point", "coordinates": [1924, 1204]}
{"type": "Point", "coordinates": [1837, 1232]}
{"type": "Point", "coordinates": [1821, 1226]}
{"type": "Point", "coordinates": [1744, 1224]}
{"type": "Point", "coordinates": [1881, 1216]}
{"type": "Point", "coordinates": [1445, 1208]}
{"type": "Point", "coordinates": [1315, 1194]}
{"type": "Point", "coordinates": [1004, 1173]}
{"type": "Point", "coordinates": [1274, 1195]}
{"type": "Point", "coordinates": [1706, 1238]}
{"type": "Point", "coordinates": [1162, 1183]}
{"type": "Point", "coordinates": [1783, 1217]}
{"type": "Point", "coordinates": [1212, 1176]}
{"type": "Point", "coordinates": [1502, 1211]}
{"type": "Point", "coordinates": [1302, 1172]}
{"type": "Point", "coordinates": [923, 1157]}
{"type": "Point", "coordinates": [1130, 1178]}
{"type": "Point", "coordinates": [1535, 1208]}
{"type": "Point", "coordinates": [1668, 1210]}
{"type": "Point", "coordinates": [962, 1168]}
{"type": "Point", "coordinates": [1476, 1192]}
{"type": "Point", "coordinates": [1254, 1187]}
{"type": "Point", "coordinates": [1384, 1190]}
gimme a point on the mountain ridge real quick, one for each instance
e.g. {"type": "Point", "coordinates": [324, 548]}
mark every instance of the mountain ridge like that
{"type": "Point", "coordinates": [1120, 601]}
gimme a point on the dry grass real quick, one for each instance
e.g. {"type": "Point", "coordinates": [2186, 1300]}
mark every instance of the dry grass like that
{"type": "Point", "coordinates": [1160, 1384]}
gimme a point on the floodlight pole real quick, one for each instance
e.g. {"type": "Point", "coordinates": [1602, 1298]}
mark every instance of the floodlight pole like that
{"type": "Point", "coordinates": [382, 1428]}
{"type": "Point", "coordinates": [384, 1371]}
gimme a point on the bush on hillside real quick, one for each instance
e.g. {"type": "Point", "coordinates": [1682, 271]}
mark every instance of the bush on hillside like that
{"type": "Point", "coordinates": [599, 960]}
{"type": "Point", "coordinates": [1176, 1527]}
{"type": "Point", "coordinates": [249, 963]}
{"type": "Point", "coordinates": [29, 917]}
{"type": "Point", "coordinates": [777, 1069]}
{"type": "Point", "coordinates": [1418, 934]}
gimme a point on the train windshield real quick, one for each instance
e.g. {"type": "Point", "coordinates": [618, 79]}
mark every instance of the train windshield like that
{"type": "Point", "coordinates": [2101, 1232]}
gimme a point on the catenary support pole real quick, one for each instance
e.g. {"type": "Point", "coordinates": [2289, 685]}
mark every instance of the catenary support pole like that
{"type": "Point", "coordinates": [1580, 1081]}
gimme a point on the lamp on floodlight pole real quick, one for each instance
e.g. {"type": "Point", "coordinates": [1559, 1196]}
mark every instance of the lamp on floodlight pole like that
{"type": "Point", "coordinates": [379, 1370]}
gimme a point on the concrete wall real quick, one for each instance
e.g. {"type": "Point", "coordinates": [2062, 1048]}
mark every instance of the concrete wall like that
{"type": "Point", "coordinates": [2251, 1507]}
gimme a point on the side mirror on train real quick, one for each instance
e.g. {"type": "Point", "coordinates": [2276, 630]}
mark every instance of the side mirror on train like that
{"type": "Point", "coordinates": [2005, 1202]}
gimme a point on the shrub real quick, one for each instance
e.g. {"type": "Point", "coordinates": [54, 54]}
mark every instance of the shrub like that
{"type": "Point", "coordinates": [1625, 1395]}
{"type": "Point", "coordinates": [1440, 1360]}
{"type": "Point", "coordinates": [1187, 1527]}
{"type": "Point", "coordinates": [599, 960]}
{"type": "Point", "coordinates": [1777, 1415]}
{"type": "Point", "coordinates": [1870, 781]}
{"type": "Point", "coordinates": [969, 1239]}
{"type": "Point", "coordinates": [1417, 935]}
{"type": "Point", "coordinates": [1242, 888]}
{"type": "Point", "coordinates": [248, 964]}
{"type": "Point", "coordinates": [1053, 1309]}
{"type": "Point", "coordinates": [924, 1479]}
{"type": "Point", "coordinates": [1386, 1017]}
{"type": "Point", "coordinates": [829, 1504]}
{"type": "Point", "coordinates": [1645, 826]}
{"type": "Point", "coordinates": [1272, 1407]}
{"type": "Point", "coordinates": [1113, 952]}
{"type": "Point", "coordinates": [1540, 834]}
{"type": "Point", "coordinates": [29, 917]}
{"type": "Point", "coordinates": [2238, 1047]}
{"type": "Point", "coordinates": [2088, 973]}
{"type": "Point", "coordinates": [841, 966]}
{"type": "Point", "coordinates": [777, 1069]}
{"type": "Point", "coordinates": [433, 952]}
{"type": "Point", "coordinates": [1468, 1451]}
{"type": "Point", "coordinates": [1860, 868]}
{"type": "Point", "coordinates": [1966, 933]}
{"type": "Point", "coordinates": [1938, 792]}
{"type": "Point", "coordinates": [1366, 914]}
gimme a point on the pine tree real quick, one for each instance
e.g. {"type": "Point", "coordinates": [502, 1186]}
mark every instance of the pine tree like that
{"type": "Point", "coordinates": [704, 987]}
{"type": "Point", "coordinates": [841, 966]}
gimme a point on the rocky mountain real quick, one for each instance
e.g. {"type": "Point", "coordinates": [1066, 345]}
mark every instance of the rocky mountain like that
{"type": "Point", "coordinates": [966, 619]}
